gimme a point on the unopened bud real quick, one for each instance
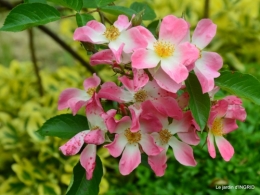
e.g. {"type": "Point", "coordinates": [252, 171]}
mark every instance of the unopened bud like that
{"type": "Point", "coordinates": [137, 20]}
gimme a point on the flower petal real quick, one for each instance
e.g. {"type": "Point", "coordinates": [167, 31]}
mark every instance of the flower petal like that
{"type": "Point", "coordinates": [190, 137]}
{"type": "Point", "coordinates": [225, 148]}
{"type": "Point", "coordinates": [135, 110]}
{"type": "Point", "coordinates": [88, 160]}
{"type": "Point", "coordinates": [148, 36]}
{"type": "Point", "coordinates": [182, 152]}
{"type": "Point", "coordinates": [140, 79]}
{"type": "Point", "coordinates": [181, 125]}
{"type": "Point", "coordinates": [96, 137]}
{"type": "Point", "coordinates": [158, 163]}
{"type": "Point", "coordinates": [148, 144]}
{"type": "Point", "coordinates": [204, 33]}
{"type": "Point", "coordinates": [73, 146]}
{"type": "Point", "coordinates": [229, 125]}
{"type": "Point", "coordinates": [105, 56]}
{"type": "Point", "coordinates": [122, 23]}
{"type": "Point", "coordinates": [128, 83]}
{"type": "Point", "coordinates": [117, 146]}
{"type": "Point", "coordinates": [211, 146]}
{"type": "Point", "coordinates": [130, 159]}
{"type": "Point", "coordinates": [143, 58]}
{"type": "Point", "coordinates": [91, 82]}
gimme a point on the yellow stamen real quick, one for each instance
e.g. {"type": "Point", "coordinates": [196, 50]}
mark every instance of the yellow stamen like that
{"type": "Point", "coordinates": [112, 33]}
{"type": "Point", "coordinates": [132, 137]}
{"type": "Point", "coordinates": [165, 135]}
{"type": "Point", "coordinates": [95, 128]}
{"type": "Point", "coordinates": [140, 96]}
{"type": "Point", "coordinates": [91, 90]}
{"type": "Point", "coordinates": [163, 49]}
{"type": "Point", "coordinates": [217, 127]}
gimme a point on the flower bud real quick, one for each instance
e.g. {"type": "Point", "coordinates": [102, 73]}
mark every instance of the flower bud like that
{"type": "Point", "coordinates": [137, 20]}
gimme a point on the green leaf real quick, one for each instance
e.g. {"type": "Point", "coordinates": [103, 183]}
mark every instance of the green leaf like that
{"type": "Point", "coordinates": [117, 10]}
{"type": "Point", "coordinates": [64, 126]}
{"type": "Point", "coordinates": [149, 14]}
{"type": "Point", "coordinates": [80, 185]}
{"type": "Point", "coordinates": [74, 4]}
{"type": "Point", "coordinates": [242, 85]}
{"type": "Point", "coordinates": [101, 3]}
{"type": "Point", "coordinates": [153, 26]}
{"type": "Point", "coordinates": [28, 15]}
{"type": "Point", "coordinates": [82, 19]}
{"type": "Point", "coordinates": [199, 103]}
{"type": "Point", "coordinates": [35, 1]}
{"type": "Point", "coordinates": [89, 4]}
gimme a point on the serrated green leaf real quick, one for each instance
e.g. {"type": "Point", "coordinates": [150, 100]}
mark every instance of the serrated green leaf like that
{"type": "Point", "coordinates": [117, 10]}
{"type": "Point", "coordinates": [242, 85]}
{"type": "Point", "coordinates": [28, 15]}
{"type": "Point", "coordinates": [74, 4]}
{"type": "Point", "coordinates": [89, 4]}
{"type": "Point", "coordinates": [82, 19]}
{"type": "Point", "coordinates": [149, 14]}
{"type": "Point", "coordinates": [64, 126]}
{"type": "Point", "coordinates": [80, 185]}
{"type": "Point", "coordinates": [35, 1]}
{"type": "Point", "coordinates": [199, 103]}
{"type": "Point", "coordinates": [101, 3]}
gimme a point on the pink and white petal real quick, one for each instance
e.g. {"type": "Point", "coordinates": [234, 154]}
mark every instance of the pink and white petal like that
{"type": "Point", "coordinates": [236, 112]}
{"type": "Point", "coordinates": [206, 68]}
{"type": "Point", "coordinates": [213, 92]}
{"type": "Point", "coordinates": [168, 106]}
{"type": "Point", "coordinates": [88, 160]}
{"type": "Point", "coordinates": [165, 81]}
{"type": "Point", "coordinates": [229, 125]}
{"type": "Point", "coordinates": [128, 83]}
{"type": "Point", "coordinates": [143, 58]}
{"type": "Point", "coordinates": [212, 116]}
{"type": "Point", "coordinates": [225, 148]}
{"type": "Point", "coordinates": [148, 145]}
{"type": "Point", "coordinates": [96, 26]}
{"type": "Point", "coordinates": [181, 125]}
{"type": "Point", "coordinates": [150, 123]}
{"type": "Point", "coordinates": [122, 23]}
{"type": "Point", "coordinates": [191, 66]}
{"type": "Point", "coordinates": [186, 53]}
{"type": "Point", "coordinates": [91, 82]}
{"type": "Point", "coordinates": [182, 152]}
{"type": "Point", "coordinates": [221, 108]}
{"type": "Point", "coordinates": [231, 99]}
{"type": "Point", "coordinates": [148, 36]}
{"type": "Point", "coordinates": [102, 57]}
{"type": "Point", "coordinates": [158, 163]}
{"type": "Point", "coordinates": [204, 33]}
{"type": "Point", "coordinates": [211, 146]}
{"type": "Point", "coordinates": [190, 137]}
{"type": "Point", "coordinates": [117, 146]}
{"type": "Point", "coordinates": [135, 111]}
{"type": "Point", "coordinates": [69, 94]}
{"type": "Point", "coordinates": [74, 145]}
{"type": "Point", "coordinates": [118, 53]}
{"type": "Point", "coordinates": [96, 137]}
{"type": "Point", "coordinates": [119, 126]}
{"type": "Point", "coordinates": [130, 159]}
{"type": "Point", "coordinates": [111, 91]}
{"type": "Point", "coordinates": [187, 36]}
{"type": "Point", "coordinates": [175, 70]}
{"type": "Point", "coordinates": [173, 29]}
{"type": "Point", "coordinates": [140, 79]}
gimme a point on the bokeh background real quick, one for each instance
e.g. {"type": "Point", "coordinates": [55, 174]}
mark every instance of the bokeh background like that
{"type": "Point", "coordinates": [31, 165]}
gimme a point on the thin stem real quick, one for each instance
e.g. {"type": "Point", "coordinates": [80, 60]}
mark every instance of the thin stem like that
{"type": "Point", "coordinates": [34, 61]}
{"type": "Point", "coordinates": [206, 9]}
{"type": "Point", "coordinates": [102, 18]}
{"type": "Point", "coordinates": [63, 17]}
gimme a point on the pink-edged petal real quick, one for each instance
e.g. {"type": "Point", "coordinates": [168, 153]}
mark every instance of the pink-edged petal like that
{"type": "Point", "coordinates": [206, 68]}
{"type": "Point", "coordinates": [148, 36]}
{"type": "Point", "coordinates": [186, 53]}
{"type": "Point", "coordinates": [73, 98]}
{"type": "Point", "coordinates": [168, 106]}
{"type": "Point", "coordinates": [118, 53]}
{"type": "Point", "coordinates": [128, 83]}
{"type": "Point", "coordinates": [190, 137]}
{"type": "Point", "coordinates": [130, 159]}
{"type": "Point", "coordinates": [204, 33]}
{"type": "Point", "coordinates": [158, 163]}
{"type": "Point", "coordinates": [135, 110]}
{"type": "Point", "coordinates": [122, 23]}
{"type": "Point", "coordinates": [173, 29]}
{"type": "Point", "coordinates": [102, 57]}
{"type": "Point", "coordinates": [221, 108]}
{"type": "Point", "coordinates": [111, 91]}
{"type": "Point", "coordinates": [140, 79]}
{"type": "Point", "coordinates": [225, 148]}
{"type": "Point", "coordinates": [213, 92]}
{"type": "Point", "coordinates": [120, 126]}
{"type": "Point", "coordinates": [231, 99]}
{"type": "Point", "coordinates": [73, 146]}
{"type": "Point", "coordinates": [212, 116]}
{"type": "Point", "coordinates": [182, 152]}
{"type": "Point", "coordinates": [229, 125]}
{"type": "Point", "coordinates": [117, 146]}
{"type": "Point", "coordinates": [182, 125]}
{"type": "Point", "coordinates": [236, 112]}
{"type": "Point", "coordinates": [91, 82]}
{"type": "Point", "coordinates": [187, 36]}
{"type": "Point", "coordinates": [165, 81]}
{"type": "Point", "coordinates": [143, 58]}
{"type": "Point", "coordinates": [174, 69]}
{"type": "Point", "coordinates": [148, 144]}
{"type": "Point", "coordinates": [96, 137]}
{"type": "Point", "coordinates": [88, 160]}
{"type": "Point", "coordinates": [211, 146]}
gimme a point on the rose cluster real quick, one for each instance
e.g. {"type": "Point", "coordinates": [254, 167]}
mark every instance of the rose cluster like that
{"type": "Point", "coordinates": [153, 111]}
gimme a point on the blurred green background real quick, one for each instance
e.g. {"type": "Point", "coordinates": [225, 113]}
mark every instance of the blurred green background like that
{"type": "Point", "coordinates": [30, 164]}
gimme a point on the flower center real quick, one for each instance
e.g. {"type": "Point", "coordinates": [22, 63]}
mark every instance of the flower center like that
{"type": "Point", "coordinates": [140, 96]}
{"type": "Point", "coordinates": [165, 135]}
{"type": "Point", "coordinates": [163, 49]}
{"type": "Point", "coordinates": [91, 90]}
{"type": "Point", "coordinates": [217, 127]}
{"type": "Point", "coordinates": [112, 33]}
{"type": "Point", "coordinates": [95, 128]}
{"type": "Point", "coordinates": [132, 137]}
